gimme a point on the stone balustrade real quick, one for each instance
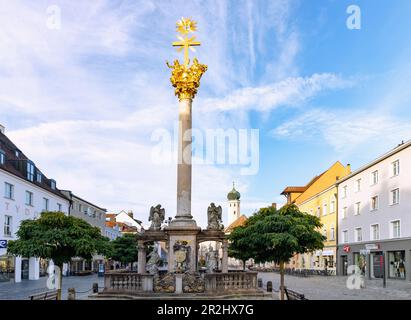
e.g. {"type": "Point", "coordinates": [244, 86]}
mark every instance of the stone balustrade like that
{"type": "Point", "coordinates": [127, 282]}
{"type": "Point", "coordinates": [231, 281]}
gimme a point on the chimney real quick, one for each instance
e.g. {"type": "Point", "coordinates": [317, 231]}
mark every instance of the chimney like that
{"type": "Point", "coordinates": [130, 213]}
{"type": "Point", "coordinates": [274, 205]}
{"type": "Point", "coordinates": [349, 168]}
{"type": "Point", "coordinates": [2, 129]}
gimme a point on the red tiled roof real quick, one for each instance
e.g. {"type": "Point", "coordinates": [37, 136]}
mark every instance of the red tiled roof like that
{"type": "Point", "coordinates": [237, 223]}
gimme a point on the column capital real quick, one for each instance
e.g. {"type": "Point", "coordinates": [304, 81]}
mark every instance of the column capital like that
{"type": "Point", "coordinates": [186, 79]}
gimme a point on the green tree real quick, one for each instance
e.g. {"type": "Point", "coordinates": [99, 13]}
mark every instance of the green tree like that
{"type": "Point", "coordinates": [238, 249]}
{"type": "Point", "coordinates": [124, 249]}
{"type": "Point", "coordinates": [58, 237]}
{"type": "Point", "coordinates": [277, 235]}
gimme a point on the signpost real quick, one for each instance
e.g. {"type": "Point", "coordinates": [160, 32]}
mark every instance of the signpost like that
{"type": "Point", "coordinates": [3, 244]}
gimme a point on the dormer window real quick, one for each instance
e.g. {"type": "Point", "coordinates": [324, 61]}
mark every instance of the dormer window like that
{"type": "Point", "coordinates": [39, 177]}
{"type": "Point", "coordinates": [30, 171]}
{"type": "Point", "coordinates": [2, 157]}
{"type": "Point", "coordinates": [53, 184]}
{"type": "Point", "coordinates": [17, 153]}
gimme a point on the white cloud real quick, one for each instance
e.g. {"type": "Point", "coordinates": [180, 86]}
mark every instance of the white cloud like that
{"type": "Point", "coordinates": [346, 131]}
{"type": "Point", "coordinates": [286, 92]}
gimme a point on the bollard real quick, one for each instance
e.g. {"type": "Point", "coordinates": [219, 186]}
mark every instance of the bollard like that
{"type": "Point", "coordinates": [260, 283]}
{"type": "Point", "coordinates": [71, 294]}
{"type": "Point", "coordinates": [95, 287]}
{"type": "Point", "coordinates": [269, 286]}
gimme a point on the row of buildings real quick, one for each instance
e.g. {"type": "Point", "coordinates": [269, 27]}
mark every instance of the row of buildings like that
{"type": "Point", "coordinates": [366, 216]}
{"type": "Point", "coordinates": [27, 191]}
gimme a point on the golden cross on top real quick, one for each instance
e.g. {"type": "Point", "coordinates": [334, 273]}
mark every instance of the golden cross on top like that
{"type": "Point", "coordinates": [184, 27]}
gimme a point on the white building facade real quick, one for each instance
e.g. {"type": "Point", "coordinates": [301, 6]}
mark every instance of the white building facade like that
{"type": "Point", "coordinates": [24, 193]}
{"type": "Point", "coordinates": [374, 217]}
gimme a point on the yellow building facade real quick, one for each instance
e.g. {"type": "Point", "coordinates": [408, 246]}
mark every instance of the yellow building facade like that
{"type": "Point", "coordinates": [319, 197]}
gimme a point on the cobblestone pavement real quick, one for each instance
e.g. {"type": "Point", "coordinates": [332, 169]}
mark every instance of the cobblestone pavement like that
{"type": "Point", "coordinates": [335, 288]}
{"type": "Point", "coordinates": [22, 290]}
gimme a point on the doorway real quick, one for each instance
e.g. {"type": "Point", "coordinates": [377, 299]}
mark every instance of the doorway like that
{"type": "Point", "coordinates": [344, 265]}
{"type": "Point", "coordinates": [25, 269]}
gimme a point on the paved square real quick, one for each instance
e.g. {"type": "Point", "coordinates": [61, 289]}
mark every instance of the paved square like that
{"type": "Point", "coordinates": [335, 288]}
{"type": "Point", "coordinates": [22, 290]}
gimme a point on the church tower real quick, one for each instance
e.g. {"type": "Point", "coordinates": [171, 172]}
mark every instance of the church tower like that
{"type": "Point", "coordinates": [233, 198]}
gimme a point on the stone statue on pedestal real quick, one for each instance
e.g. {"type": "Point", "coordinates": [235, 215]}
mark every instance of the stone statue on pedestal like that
{"type": "Point", "coordinates": [154, 259]}
{"type": "Point", "coordinates": [157, 216]}
{"type": "Point", "coordinates": [214, 215]}
{"type": "Point", "coordinates": [211, 259]}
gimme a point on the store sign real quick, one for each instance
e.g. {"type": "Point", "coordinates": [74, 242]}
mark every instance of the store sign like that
{"type": "Point", "coordinates": [328, 253]}
{"type": "Point", "coordinates": [372, 246]}
{"type": "Point", "coordinates": [364, 252]}
{"type": "Point", "coordinates": [3, 244]}
{"type": "Point", "coordinates": [346, 248]}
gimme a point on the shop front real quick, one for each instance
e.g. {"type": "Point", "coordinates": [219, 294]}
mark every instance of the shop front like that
{"type": "Point", "coordinates": [6, 268]}
{"type": "Point", "coordinates": [325, 259]}
{"type": "Point", "coordinates": [373, 259]}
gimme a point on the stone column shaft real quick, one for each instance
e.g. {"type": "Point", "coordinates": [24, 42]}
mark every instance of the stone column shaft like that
{"type": "Point", "coordinates": [224, 262]}
{"type": "Point", "coordinates": [141, 267]}
{"type": "Point", "coordinates": [184, 160]}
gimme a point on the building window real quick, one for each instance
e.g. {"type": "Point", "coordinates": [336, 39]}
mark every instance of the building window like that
{"type": "Point", "coordinates": [396, 262]}
{"type": "Point", "coordinates": [345, 236]}
{"type": "Point", "coordinates": [332, 205]}
{"type": "Point", "coordinates": [17, 153]}
{"type": "Point", "coordinates": [332, 233]}
{"type": "Point", "coordinates": [358, 234]}
{"type": "Point", "coordinates": [344, 212]}
{"type": "Point", "coordinates": [39, 177]}
{"type": "Point", "coordinates": [53, 184]}
{"type": "Point", "coordinates": [374, 177]}
{"type": "Point", "coordinates": [59, 207]}
{"type": "Point", "coordinates": [396, 168]}
{"type": "Point", "coordinates": [8, 191]}
{"type": "Point", "coordinates": [7, 225]}
{"type": "Point", "coordinates": [79, 207]}
{"type": "Point", "coordinates": [325, 232]}
{"type": "Point", "coordinates": [395, 196]}
{"type": "Point", "coordinates": [358, 185]}
{"type": "Point", "coordinates": [45, 204]}
{"type": "Point", "coordinates": [2, 157]}
{"type": "Point", "coordinates": [324, 209]}
{"type": "Point", "coordinates": [357, 208]}
{"type": "Point", "coordinates": [29, 198]}
{"type": "Point", "coordinates": [30, 171]}
{"type": "Point", "coordinates": [374, 203]}
{"type": "Point", "coordinates": [375, 232]}
{"type": "Point", "coordinates": [344, 192]}
{"type": "Point", "coordinates": [395, 229]}
{"type": "Point", "coordinates": [318, 212]}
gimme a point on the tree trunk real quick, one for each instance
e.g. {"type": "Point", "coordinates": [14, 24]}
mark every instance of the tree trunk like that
{"type": "Point", "coordinates": [244, 265]}
{"type": "Point", "coordinates": [281, 280]}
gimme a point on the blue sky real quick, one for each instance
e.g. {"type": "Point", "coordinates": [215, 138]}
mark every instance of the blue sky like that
{"type": "Point", "coordinates": [83, 100]}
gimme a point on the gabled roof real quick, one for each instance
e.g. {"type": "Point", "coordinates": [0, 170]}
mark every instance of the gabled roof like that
{"type": "Point", "coordinates": [236, 223]}
{"type": "Point", "coordinates": [17, 166]}
{"type": "Point", "coordinates": [323, 181]}
{"type": "Point", "coordinates": [293, 189]}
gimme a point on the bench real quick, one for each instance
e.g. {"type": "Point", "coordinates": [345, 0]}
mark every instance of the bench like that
{"type": "Point", "coordinates": [49, 295]}
{"type": "Point", "coordinates": [292, 295]}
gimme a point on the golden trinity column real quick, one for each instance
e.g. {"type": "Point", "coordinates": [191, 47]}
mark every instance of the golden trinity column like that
{"type": "Point", "coordinates": [185, 78]}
